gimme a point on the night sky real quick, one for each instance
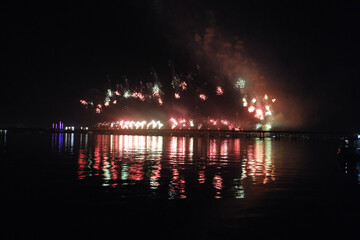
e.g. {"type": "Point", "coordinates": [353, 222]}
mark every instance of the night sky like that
{"type": "Point", "coordinates": [54, 52]}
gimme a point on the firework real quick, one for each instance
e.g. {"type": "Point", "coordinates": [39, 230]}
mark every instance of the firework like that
{"type": "Point", "coordinates": [219, 90]}
{"type": "Point", "coordinates": [183, 86]}
{"type": "Point", "coordinates": [203, 97]}
{"type": "Point", "coordinates": [260, 106]}
{"type": "Point", "coordinates": [173, 122]}
{"type": "Point", "coordinates": [156, 90]}
{"type": "Point", "coordinates": [245, 104]}
{"type": "Point", "coordinates": [83, 102]}
{"type": "Point", "coordinates": [239, 84]}
{"type": "Point", "coordinates": [259, 114]}
{"type": "Point", "coordinates": [191, 122]}
{"type": "Point", "coordinates": [138, 95]}
{"type": "Point", "coordinates": [127, 94]}
{"type": "Point", "coordinates": [251, 109]}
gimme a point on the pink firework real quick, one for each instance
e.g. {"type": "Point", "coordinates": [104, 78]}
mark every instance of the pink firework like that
{"type": "Point", "coordinates": [183, 86]}
{"type": "Point", "coordinates": [173, 122]}
{"type": "Point", "coordinates": [138, 95]}
{"type": "Point", "coordinates": [203, 97]}
{"type": "Point", "coordinates": [219, 90]}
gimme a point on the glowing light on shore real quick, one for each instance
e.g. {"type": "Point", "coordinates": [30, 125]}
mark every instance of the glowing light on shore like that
{"type": "Point", "coordinates": [126, 124]}
{"type": "Point", "coordinates": [177, 95]}
{"type": "Point", "coordinates": [191, 122]}
{"type": "Point", "coordinates": [173, 122]}
{"type": "Point", "coordinates": [225, 122]}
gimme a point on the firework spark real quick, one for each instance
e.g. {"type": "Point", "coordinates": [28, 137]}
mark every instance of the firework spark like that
{"type": "Point", "coordinates": [127, 94]}
{"type": "Point", "coordinates": [83, 102]}
{"type": "Point", "coordinates": [183, 86]}
{"type": "Point", "coordinates": [219, 90]}
{"type": "Point", "coordinates": [203, 97]}
{"type": "Point", "coordinates": [240, 84]}
{"type": "Point", "coordinates": [259, 114]}
{"type": "Point", "coordinates": [251, 109]}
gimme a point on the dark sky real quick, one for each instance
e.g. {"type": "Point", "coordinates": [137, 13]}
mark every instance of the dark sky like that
{"type": "Point", "coordinates": [54, 52]}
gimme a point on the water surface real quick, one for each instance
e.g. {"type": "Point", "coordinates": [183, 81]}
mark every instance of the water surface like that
{"type": "Point", "coordinates": [210, 188]}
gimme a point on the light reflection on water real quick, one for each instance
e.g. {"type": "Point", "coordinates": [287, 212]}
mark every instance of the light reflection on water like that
{"type": "Point", "coordinates": [171, 167]}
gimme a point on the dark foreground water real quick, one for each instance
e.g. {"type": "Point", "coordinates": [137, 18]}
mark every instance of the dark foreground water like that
{"type": "Point", "coordinates": [69, 186]}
